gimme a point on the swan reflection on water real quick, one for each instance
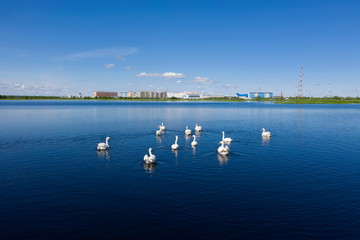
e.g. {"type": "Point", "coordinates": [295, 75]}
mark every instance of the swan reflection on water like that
{"type": "Point", "coordinates": [149, 167]}
{"type": "Point", "coordinates": [223, 159]}
{"type": "Point", "coordinates": [159, 139]}
{"type": "Point", "coordinates": [104, 154]}
{"type": "Point", "coordinates": [265, 140]}
{"type": "Point", "coordinates": [176, 152]}
{"type": "Point", "coordinates": [193, 149]}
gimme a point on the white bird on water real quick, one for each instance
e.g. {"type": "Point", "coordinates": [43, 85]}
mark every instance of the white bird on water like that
{"type": "Point", "coordinates": [225, 140]}
{"type": "Point", "coordinates": [187, 131]}
{"type": "Point", "coordinates": [103, 146]}
{"type": "Point", "coordinates": [162, 127]}
{"type": "Point", "coordinates": [194, 142]}
{"type": "Point", "coordinates": [151, 158]}
{"type": "Point", "coordinates": [158, 132]}
{"type": "Point", "coordinates": [265, 134]}
{"type": "Point", "coordinates": [223, 150]}
{"type": "Point", "coordinates": [175, 146]}
{"type": "Point", "coordinates": [198, 128]}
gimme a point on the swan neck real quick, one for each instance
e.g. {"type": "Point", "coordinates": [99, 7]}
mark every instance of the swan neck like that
{"type": "Point", "coordinates": [223, 133]}
{"type": "Point", "coordinates": [107, 142]}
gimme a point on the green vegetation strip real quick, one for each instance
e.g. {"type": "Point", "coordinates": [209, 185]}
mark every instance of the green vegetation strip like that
{"type": "Point", "coordinates": [333, 100]}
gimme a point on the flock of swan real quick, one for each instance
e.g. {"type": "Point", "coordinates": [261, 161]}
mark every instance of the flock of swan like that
{"type": "Point", "coordinates": [151, 158]}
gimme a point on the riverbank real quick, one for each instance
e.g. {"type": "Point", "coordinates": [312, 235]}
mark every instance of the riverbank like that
{"type": "Point", "coordinates": [225, 99]}
{"type": "Point", "coordinates": [333, 100]}
{"type": "Point", "coordinates": [318, 101]}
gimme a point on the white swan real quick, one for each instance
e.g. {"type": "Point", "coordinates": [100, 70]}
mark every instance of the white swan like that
{"type": "Point", "coordinates": [162, 127]}
{"type": "Point", "coordinates": [151, 158]}
{"type": "Point", "coordinates": [158, 132]}
{"type": "Point", "coordinates": [223, 150]}
{"type": "Point", "coordinates": [224, 139]}
{"type": "Point", "coordinates": [103, 146]}
{"type": "Point", "coordinates": [175, 146]}
{"type": "Point", "coordinates": [198, 128]}
{"type": "Point", "coordinates": [194, 142]}
{"type": "Point", "coordinates": [187, 131]}
{"type": "Point", "coordinates": [265, 134]}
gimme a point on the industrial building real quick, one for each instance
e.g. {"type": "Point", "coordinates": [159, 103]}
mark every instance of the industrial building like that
{"type": "Point", "coordinates": [105, 94]}
{"type": "Point", "coordinates": [191, 96]}
{"type": "Point", "coordinates": [253, 95]}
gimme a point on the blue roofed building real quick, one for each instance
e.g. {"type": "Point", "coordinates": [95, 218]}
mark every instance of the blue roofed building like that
{"type": "Point", "coordinates": [242, 95]}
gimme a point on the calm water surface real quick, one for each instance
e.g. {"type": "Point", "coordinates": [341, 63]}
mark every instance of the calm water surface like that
{"type": "Point", "coordinates": [303, 183]}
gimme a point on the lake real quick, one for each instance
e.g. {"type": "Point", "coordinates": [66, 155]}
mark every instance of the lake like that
{"type": "Point", "coordinates": [302, 183]}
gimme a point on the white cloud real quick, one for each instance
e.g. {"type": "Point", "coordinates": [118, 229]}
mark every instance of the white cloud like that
{"type": "Point", "coordinates": [230, 86]}
{"type": "Point", "coordinates": [147, 74]}
{"type": "Point", "coordinates": [161, 89]}
{"type": "Point", "coordinates": [163, 75]}
{"type": "Point", "coordinates": [173, 75]}
{"type": "Point", "coordinates": [36, 89]}
{"type": "Point", "coordinates": [119, 57]}
{"type": "Point", "coordinates": [203, 80]}
{"type": "Point", "coordinates": [128, 68]}
{"type": "Point", "coordinates": [178, 81]}
{"type": "Point", "coordinates": [103, 52]}
{"type": "Point", "coordinates": [109, 65]}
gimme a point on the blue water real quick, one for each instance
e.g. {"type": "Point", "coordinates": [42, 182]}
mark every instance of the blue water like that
{"type": "Point", "coordinates": [302, 183]}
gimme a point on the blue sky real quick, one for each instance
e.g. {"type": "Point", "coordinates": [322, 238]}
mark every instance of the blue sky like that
{"type": "Point", "coordinates": [215, 47]}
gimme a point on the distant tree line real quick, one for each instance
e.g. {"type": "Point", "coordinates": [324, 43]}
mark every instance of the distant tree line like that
{"type": "Point", "coordinates": [299, 100]}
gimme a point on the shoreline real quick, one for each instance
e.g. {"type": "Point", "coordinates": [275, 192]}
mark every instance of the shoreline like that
{"type": "Point", "coordinates": [290, 100]}
{"type": "Point", "coordinates": [275, 101]}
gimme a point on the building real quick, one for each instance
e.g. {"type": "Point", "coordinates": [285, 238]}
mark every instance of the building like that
{"type": "Point", "coordinates": [144, 94]}
{"type": "Point", "coordinates": [190, 95]}
{"type": "Point", "coordinates": [214, 96]}
{"type": "Point", "coordinates": [151, 94]}
{"type": "Point", "coordinates": [170, 95]}
{"type": "Point", "coordinates": [105, 94]}
{"type": "Point", "coordinates": [242, 95]}
{"type": "Point", "coordinates": [260, 95]}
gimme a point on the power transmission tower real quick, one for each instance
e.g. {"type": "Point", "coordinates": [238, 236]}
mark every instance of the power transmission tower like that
{"type": "Point", "coordinates": [300, 85]}
{"type": "Point", "coordinates": [329, 91]}
{"type": "Point", "coordinates": [352, 90]}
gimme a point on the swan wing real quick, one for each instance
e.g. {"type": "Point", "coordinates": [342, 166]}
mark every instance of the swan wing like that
{"type": "Point", "coordinates": [102, 146]}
